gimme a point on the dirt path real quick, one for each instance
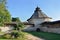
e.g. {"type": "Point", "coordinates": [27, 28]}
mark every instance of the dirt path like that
{"type": "Point", "coordinates": [31, 37]}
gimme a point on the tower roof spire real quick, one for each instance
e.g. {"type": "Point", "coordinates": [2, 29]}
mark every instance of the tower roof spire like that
{"type": "Point", "coordinates": [37, 9]}
{"type": "Point", "coordinates": [38, 14]}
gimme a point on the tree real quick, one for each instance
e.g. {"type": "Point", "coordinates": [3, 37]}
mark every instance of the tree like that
{"type": "Point", "coordinates": [19, 25]}
{"type": "Point", "coordinates": [16, 19]}
{"type": "Point", "coordinates": [4, 13]}
{"type": "Point", "coordinates": [17, 28]}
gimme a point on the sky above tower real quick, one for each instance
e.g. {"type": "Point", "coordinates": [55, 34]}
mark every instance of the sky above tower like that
{"type": "Point", "coordinates": [25, 8]}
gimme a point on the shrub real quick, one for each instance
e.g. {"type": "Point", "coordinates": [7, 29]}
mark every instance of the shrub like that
{"type": "Point", "coordinates": [14, 34]}
{"type": "Point", "coordinates": [6, 36]}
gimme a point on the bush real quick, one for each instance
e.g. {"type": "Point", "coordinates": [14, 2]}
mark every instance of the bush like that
{"type": "Point", "coordinates": [6, 36]}
{"type": "Point", "coordinates": [14, 34]}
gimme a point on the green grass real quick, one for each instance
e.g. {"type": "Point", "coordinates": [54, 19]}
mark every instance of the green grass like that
{"type": "Point", "coordinates": [1, 33]}
{"type": "Point", "coordinates": [46, 36]}
{"type": "Point", "coordinates": [6, 39]}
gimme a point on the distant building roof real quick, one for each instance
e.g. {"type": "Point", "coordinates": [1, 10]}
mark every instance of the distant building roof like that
{"type": "Point", "coordinates": [11, 23]}
{"type": "Point", "coordinates": [26, 23]}
{"type": "Point", "coordinates": [15, 23]}
{"type": "Point", "coordinates": [38, 14]}
{"type": "Point", "coordinates": [54, 22]}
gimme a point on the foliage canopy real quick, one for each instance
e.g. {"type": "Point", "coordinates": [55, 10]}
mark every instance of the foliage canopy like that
{"type": "Point", "coordinates": [4, 13]}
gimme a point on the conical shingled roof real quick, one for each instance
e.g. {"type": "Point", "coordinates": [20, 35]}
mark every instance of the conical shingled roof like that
{"type": "Point", "coordinates": [38, 14]}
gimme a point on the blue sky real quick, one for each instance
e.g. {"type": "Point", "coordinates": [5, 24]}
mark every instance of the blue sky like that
{"type": "Point", "coordinates": [25, 8]}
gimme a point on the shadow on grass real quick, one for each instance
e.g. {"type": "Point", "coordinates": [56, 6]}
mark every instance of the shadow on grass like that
{"type": "Point", "coordinates": [46, 35]}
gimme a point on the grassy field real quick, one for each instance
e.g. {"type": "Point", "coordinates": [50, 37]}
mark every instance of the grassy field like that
{"type": "Point", "coordinates": [46, 36]}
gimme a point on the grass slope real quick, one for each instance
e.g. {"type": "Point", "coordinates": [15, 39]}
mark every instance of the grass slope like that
{"type": "Point", "coordinates": [44, 35]}
{"type": "Point", "coordinates": [47, 36]}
